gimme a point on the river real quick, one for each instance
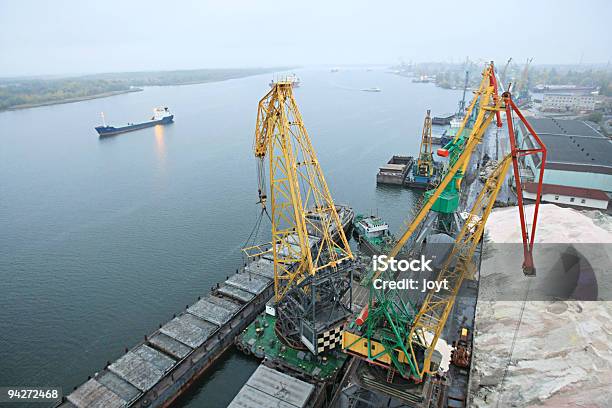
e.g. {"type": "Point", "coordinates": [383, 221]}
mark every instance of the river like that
{"type": "Point", "coordinates": [101, 240]}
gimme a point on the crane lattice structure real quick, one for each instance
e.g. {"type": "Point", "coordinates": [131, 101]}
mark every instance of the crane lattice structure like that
{"type": "Point", "coordinates": [391, 334]}
{"type": "Point", "coordinates": [425, 162]}
{"type": "Point", "coordinates": [309, 247]}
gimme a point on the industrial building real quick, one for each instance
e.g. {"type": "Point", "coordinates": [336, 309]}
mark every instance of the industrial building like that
{"type": "Point", "coordinates": [579, 164]}
{"type": "Point", "coordinates": [568, 196]}
{"type": "Point", "coordinates": [567, 102]}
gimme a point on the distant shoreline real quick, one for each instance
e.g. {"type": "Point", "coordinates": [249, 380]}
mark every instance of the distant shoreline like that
{"type": "Point", "coordinates": [17, 94]}
{"type": "Point", "coordinates": [72, 100]}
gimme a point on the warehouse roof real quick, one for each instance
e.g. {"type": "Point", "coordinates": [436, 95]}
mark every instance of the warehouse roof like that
{"type": "Point", "coordinates": [574, 145]}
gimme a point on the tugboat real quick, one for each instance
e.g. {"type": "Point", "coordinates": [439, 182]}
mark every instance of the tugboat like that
{"type": "Point", "coordinates": [373, 234]}
{"type": "Point", "coordinates": [161, 116]}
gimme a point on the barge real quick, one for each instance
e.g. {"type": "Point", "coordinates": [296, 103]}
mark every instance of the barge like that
{"type": "Point", "coordinates": [443, 120]}
{"type": "Point", "coordinates": [395, 171]}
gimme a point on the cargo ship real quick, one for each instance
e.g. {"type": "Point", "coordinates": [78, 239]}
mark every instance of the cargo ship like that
{"type": "Point", "coordinates": [161, 116]}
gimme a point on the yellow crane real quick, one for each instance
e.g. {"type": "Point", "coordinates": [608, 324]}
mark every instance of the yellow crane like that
{"type": "Point", "coordinates": [431, 317]}
{"type": "Point", "coordinates": [489, 106]}
{"type": "Point", "coordinates": [370, 340]}
{"type": "Point", "coordinates": [309, 249]}
{"type": "Point", "coordinates": [300, 200]}
{"type": "Point", "coordinates": [425, 164]}
{"type": "Point", "coordinates": [399, 339]}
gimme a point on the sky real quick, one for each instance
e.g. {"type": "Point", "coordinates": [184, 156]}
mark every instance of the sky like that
{"type": "Point", "coordinates": [39, 37]}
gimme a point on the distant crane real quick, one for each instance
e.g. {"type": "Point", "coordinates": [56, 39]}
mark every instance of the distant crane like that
{"type": "Point", "coordinates": [503, 75]}
{"type": "Point", "coordinates": [522, 87]}
{"type": "Point", "coordinates": [425, 163]}
{"type": "Point", "coordinates": [461, 110]}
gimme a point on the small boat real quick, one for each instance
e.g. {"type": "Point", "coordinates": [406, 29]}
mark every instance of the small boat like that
{"type": "Point", "coordinates": [373, 234]}
{"type": "Point", "coordinates": [424, 79]}
{"type": "Point", "coordinates": [161, 116]}
{"type": "Point", "coordinates": [371, 89]}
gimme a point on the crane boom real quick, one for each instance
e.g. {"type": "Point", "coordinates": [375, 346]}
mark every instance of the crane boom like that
{"type": "Point", "coordinates": [489, 106]}
{"type": "Point", "coordinates": [431, 318]}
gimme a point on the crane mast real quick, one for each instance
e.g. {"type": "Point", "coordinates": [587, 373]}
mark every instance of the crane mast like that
{"type": "Point", "coordinates": [447, 194]}
{"type": "Point", "coordinates": [425, 165]}
{"type": "Point", "coordinates": [292, 163]}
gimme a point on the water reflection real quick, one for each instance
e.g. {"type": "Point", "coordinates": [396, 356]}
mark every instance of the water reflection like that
{"type": "Point", "coordinates": [160, 144]}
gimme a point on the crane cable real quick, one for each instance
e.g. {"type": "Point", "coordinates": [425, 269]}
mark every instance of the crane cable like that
{"type": "Point", "coordinates": [261, 179]}
{"type": "Point", "coordinates": [516, 331]}
{"type": "Point", "coordinates": [255, 231]}
{"type": "Point", "coordinates": [518, 326]}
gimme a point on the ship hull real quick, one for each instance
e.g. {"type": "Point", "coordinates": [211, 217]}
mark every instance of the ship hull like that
{"type": "Point", "coordinates": [104, 131]}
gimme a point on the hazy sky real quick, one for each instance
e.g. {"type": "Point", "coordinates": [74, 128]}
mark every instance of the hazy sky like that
{"type": "Point", "coordinates": [59, 37]}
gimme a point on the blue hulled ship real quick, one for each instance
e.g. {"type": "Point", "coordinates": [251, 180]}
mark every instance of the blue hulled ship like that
{"type": "Point", "coordinates": [161, 116]}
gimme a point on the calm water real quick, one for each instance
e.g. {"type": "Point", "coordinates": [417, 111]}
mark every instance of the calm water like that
{"type": "Point", "coordinates": [103, 240]}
